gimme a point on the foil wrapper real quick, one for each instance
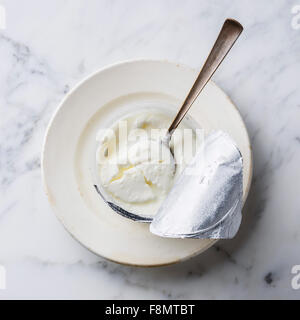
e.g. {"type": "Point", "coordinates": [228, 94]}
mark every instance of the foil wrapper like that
{"type": "Point", "coordinates": [206, 200]}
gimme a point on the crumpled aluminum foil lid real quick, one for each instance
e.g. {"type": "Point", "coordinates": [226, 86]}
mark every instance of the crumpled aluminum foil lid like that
{"type": "Point", "coordinates": [206, 200]}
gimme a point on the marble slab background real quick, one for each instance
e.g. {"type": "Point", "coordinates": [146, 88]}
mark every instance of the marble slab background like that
{"type": "Point", "coordinates": [48, 46]}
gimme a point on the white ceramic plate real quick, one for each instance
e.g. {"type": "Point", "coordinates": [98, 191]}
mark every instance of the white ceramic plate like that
{"type": "Point", "coordinates": [70, 142]}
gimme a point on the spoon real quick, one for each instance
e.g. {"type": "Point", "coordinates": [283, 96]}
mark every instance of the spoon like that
{"type": "Point", "coordinates": [227, 37]}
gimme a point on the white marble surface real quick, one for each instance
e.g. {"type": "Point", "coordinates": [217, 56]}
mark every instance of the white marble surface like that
{"type": "Point", "coordinates": [49, 45]}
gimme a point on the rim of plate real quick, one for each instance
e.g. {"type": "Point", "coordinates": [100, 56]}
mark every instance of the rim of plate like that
{"type": "Point", "coordinates": [79, 84]}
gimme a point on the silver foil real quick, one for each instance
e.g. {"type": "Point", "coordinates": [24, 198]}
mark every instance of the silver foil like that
{"type": "Point", "coordinates": [206, 200]}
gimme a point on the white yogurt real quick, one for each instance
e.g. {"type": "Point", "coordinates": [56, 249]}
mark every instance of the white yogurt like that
{"type": "Point", "coordinates": [135, 168]}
